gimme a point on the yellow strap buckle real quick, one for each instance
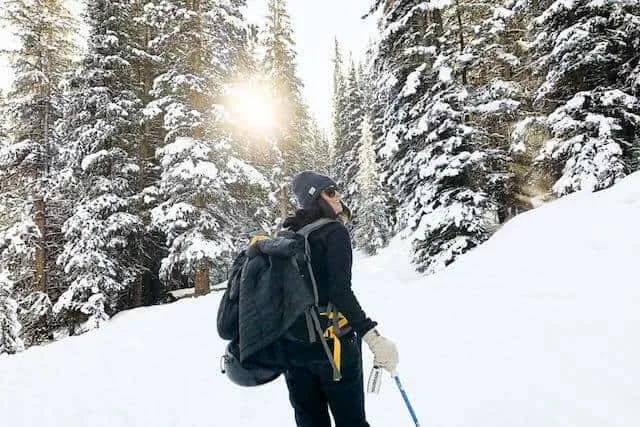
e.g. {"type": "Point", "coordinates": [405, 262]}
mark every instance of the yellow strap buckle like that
{"type": "Point", "coordinates": [330, 332]}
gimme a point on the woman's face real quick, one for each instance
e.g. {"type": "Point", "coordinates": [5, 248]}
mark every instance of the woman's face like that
{"type": "Point", "coordinates": [333, 198]}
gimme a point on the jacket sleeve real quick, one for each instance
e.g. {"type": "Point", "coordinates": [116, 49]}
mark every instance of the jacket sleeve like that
{"type": "Point", "coordinates": [339, 262]}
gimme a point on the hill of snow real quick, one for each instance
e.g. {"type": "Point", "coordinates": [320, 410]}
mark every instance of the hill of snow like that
{"type": "Point", "coordinates": [537, 327]}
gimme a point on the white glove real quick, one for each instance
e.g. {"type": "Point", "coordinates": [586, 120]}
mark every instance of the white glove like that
{"type": "Point", "coordinates": [385, 353]}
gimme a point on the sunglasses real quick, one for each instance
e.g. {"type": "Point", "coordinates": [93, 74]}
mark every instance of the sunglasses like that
{"type": "Point", "coordinates": [331, 192]}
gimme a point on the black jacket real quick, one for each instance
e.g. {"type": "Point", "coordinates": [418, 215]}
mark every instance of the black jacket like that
{"type": "Point", "coordinates": [331, 259]}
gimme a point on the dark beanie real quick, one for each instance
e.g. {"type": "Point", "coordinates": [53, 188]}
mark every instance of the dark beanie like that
{"type": "Point", "coordinates": [307, 186]}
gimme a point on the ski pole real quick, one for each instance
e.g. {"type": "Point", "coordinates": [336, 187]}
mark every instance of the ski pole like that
{"type": "Point", "coordinates": [406, 399]}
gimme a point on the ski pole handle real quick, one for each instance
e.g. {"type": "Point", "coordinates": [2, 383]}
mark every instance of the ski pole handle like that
{"type": "Point", "coordinates": [406, 400]}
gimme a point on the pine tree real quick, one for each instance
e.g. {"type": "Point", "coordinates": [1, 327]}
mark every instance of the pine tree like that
{"type": "Point", "coordinates": [202, 187]}
{"type": "Point", "coordinates": [16, 267]}
{"type": "Point", "coordinates": [293, 128]}
{"type": "Point", "coordinates": [376, 102]}
{"type": "Point", "coordinates": [372, 231]}
{"type": "Point", "coordinates": [10, 327]}
{"type": "Point", "coordinates": [43, 30]}
{"type": "Point", "coordinates": [319, 150]}
{"type": "Point", "coordinates": [490, 46]}
{"type": "Point", "coordinates": [279, 65]}
{"type": "Point", "coordinates": [585, 53]}
{"type": "Point", "coordinates": [338, 110]}
{"type": "Point", "coordinates": [4, 134]}
{"type": "Point", "coordinates": [436, 161]}
{"type": "Point", "coordinates": [104, 234]}
{"type": "Point", "coordinates": [631, 73]}
{"type": "Point", "coordinates": [347, 151]}
{"type": "Point", "coordinates": [252, 137]}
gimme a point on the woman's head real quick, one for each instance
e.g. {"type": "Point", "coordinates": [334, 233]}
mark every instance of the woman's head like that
{"type": "Point", "coordinates": [308, 185]}
{"type": "Point", "coordinates": [316, 192]}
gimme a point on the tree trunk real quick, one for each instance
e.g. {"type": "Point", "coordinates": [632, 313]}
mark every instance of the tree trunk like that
{"type": "Point", "coordinates": [138, 291]}
{"type": "Point", "coordinates": [284, 203]}
{"type": "Point", "coordinates": [40, 270]}
{"type": "Point", "coordinates": [461, 40]}
{"type": "Point", "coordinates": [198, 102]}
{"type": "Point", "coordinates": [202, 281]}
{"type": "Point", "coordinates": [202, 271]}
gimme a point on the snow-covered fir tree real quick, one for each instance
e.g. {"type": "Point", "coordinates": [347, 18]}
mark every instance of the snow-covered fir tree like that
{"type": "Point", "coordinates": [17, 253]}
{"type": "Point", "coordinates": [44, 31]}
{"type": "Point", "coordinates": [4, 134]}
{"type": "Point", "coordinates": [338, 107]}
{"type": "Point", "coordinates": [488, 44]}
{"type": "Point", "coordinates": [372, 229]}
{"type": "Point", "coordinates": [279, 65]}
{"type": "Point", "coordinates": [436, 161]}
{"type": "Point", "coordinates": [10, 327]}
{"type": "Point", "coordinates": [319, 149]}
{"type": "Point", "coordinates": [203, 187]}
{"type": "Point", "coordinates": [376, 103]}
{"type": "Point", "coordinates": [347, 149]}
{"type": "Point", "coordinates": [248, 100]}
{"type": "Point", "coordinates": [294, 127]}
{"type": "Point", "coordinates": [585, 54]}
{"type": "Point", "coordinates": [104, 234]}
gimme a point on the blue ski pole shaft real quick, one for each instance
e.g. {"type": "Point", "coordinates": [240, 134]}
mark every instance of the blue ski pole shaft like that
{"type": "Point", "coordinates": [406, 400]}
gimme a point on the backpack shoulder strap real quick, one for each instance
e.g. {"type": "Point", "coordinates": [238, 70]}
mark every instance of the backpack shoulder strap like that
{"type": "Point", "coordinates": [305, 232]}
{"type": "Point", "coordinates": [313, 322]}
{"type": "Point", "coordinates": [315, 225]}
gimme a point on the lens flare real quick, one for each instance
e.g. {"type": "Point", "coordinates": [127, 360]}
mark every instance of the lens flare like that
{"type": "Point", "coordinates": [252, 108]}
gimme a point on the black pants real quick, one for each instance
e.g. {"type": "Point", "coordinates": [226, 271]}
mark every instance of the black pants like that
{"type": "Point", "coordinates": [312, 391]}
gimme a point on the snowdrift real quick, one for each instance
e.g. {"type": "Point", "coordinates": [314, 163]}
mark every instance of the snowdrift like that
{"type": "Point", "coordinates": [537, 327]}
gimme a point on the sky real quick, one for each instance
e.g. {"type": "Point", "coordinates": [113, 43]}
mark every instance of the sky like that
{"type": "Point", "coordinates": [316, 24]}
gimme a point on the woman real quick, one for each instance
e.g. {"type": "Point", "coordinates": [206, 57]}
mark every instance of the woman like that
{"type": "Point", "coordinates": [312, 390]}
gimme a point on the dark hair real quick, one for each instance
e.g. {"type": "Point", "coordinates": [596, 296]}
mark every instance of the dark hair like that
{"type": "Point", "coordinates": [302, 217]}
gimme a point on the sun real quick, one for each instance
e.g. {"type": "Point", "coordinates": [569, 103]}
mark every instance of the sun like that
{"type": "Point", "coordinates": [252, 108]}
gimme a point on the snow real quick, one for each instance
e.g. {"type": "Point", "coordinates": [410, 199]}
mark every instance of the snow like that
{"type": "Point", "coordinates": [536, 327]}
{"type": "Point", "coordinates": [90, 159]}
{"type": "Point", "coordinates": [556, 7]}
{"type": "Point", "coordinates": [419, 8]}
{"type": "Point", "coordinates": [465, 58]}
{"type": "Point", "coordinates": [181, 293]}
{"type": "Point", "coordinates": [181, 146]}
{"type": "Point", "coordinates": [500, 12]}
{"type": "Point", "coordinates": [444, 75]}
{"type": "Point", "coordinates": [496, 106]}
{"type": "Point", "coordinates": [243, 169]}
{"type": "Point", "coordinates": [413, 81]}
{"type": "Point", "coordinates": [613, 97]}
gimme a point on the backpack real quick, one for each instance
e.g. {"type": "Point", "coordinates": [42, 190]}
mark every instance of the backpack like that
{"type": "Point", "coordinates": [284, 264]}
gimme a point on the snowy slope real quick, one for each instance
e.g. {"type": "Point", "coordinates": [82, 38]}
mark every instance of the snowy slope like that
{"type": "Point", "coordinates": [538, 327]}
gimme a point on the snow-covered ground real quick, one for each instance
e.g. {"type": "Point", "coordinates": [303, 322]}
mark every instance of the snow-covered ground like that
{"type": "Point", "coordinates": [537, 327]}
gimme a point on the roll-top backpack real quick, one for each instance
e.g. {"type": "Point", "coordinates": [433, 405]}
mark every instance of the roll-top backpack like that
{"type": "Point", "coordinates": [277, 274]}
